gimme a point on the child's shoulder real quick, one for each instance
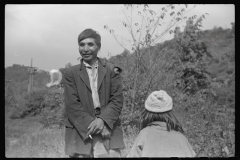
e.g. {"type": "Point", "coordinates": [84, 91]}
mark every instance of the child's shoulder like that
{"type": "Point", "coordinates": [145, 131]}
{"type": "Point", "coordinates": [141, 137]}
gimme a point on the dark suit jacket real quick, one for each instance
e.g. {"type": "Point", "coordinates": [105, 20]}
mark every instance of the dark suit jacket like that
{"type": "Point", "coordinates": [80, 109]}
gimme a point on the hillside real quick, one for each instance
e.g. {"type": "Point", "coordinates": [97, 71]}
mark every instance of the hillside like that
{"type": "Point", "coordinates": [207, 115]}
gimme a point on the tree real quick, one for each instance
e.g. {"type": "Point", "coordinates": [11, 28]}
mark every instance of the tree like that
{"type": "Point", "coordinates": [192, 71]}
{"type": "Point", "coordinates": [144, 27]}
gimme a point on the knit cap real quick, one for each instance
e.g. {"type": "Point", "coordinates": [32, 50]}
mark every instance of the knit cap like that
{"type": "Point", "coordinates": [159, 101]}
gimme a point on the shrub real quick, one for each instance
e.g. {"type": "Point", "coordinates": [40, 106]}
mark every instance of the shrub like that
{"type": "Point", "coordinates": [193, 74]}
{"type": "Point", "coordinates": [53, 113]}
{"type": "Point", "coordinates": [34, 103]}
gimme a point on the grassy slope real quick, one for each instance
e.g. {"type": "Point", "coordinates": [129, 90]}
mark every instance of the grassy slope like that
{"type": "Point", "coordinates": [27, 138]}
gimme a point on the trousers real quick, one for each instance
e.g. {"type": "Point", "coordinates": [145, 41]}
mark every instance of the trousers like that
{"type": "Point", "coordinates": [98, 150]}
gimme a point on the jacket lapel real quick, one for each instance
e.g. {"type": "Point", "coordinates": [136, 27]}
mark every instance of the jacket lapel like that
{"type": "Point", "coordinates": [84, 75]}
{"type": "Point", "coordinates": [101, 72]}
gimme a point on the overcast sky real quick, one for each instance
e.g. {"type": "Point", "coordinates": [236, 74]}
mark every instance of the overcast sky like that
{"type": "Point", "coordinates": [48, 33]}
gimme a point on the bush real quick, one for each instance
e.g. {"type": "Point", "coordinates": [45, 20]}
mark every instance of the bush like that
{"type": "Point", "coordinates": [47, 104]}
{"type": "Point", "coordinates": [53, 113]}
{"type": "Point", "coordinates": [34, 103]}
{"type": "Point", "coordinates": [193, 74]}
{"type": "Point", "coordinates": [209, 125]}
{"type": "Point", "coordinates": [9, 98]}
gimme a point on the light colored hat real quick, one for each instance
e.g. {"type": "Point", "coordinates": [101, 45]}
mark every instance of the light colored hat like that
{"type": "Point", "coordinates": [159, 101]}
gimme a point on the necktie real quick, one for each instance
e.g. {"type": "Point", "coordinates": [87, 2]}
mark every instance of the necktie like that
{"type": "Point", "coordinates": [94, 88]}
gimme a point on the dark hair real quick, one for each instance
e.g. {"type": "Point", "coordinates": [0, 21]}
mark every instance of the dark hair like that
{"type": "Point", "coordinates": [172, 122]}
{"type": "Point", "coordinates": [90, 33]}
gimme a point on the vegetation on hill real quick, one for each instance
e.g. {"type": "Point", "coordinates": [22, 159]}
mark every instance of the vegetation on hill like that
{"type": "Point", "coordinates": [196, 68]}
{"type": "Point", "coordinates": [201, 81]}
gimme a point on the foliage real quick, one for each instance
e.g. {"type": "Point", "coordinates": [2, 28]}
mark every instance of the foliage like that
{"type": "Point", "coordinates": [20, 74]}
{"type": "Point", "coordinates": [10, 100]}
{"type": "Point", "coordinates": [209, 124]}
{"type": "Point", "coordinates": [17, 73]}
{"type": "Point", "coordinates": [47, 104]}
{"type": "Point", "coordinates": [144, 32]}
{"type": "Point", "coordinates": [208, 116]}
{"type": "Point", "coordinates": [53, 113]}
{"type": "Point", "coordinates": [192, 72]}
{"type": "Point", "coordinates": [18, 104]}
{"type": "Point", "coordinates": [35, 103]}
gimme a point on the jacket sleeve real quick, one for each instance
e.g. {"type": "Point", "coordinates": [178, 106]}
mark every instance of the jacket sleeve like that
{"type": "Point", "coordinates": [75, 112]}
{"type": "Point", "coordinates": [114, 107]}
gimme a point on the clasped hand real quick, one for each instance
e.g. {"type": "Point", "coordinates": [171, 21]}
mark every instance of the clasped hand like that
{"type": "Point", "coordinates": [97, 126]}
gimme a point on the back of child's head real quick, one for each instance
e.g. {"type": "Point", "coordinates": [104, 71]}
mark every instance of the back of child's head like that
{"type": "Point", "coordinates": [158, 107]}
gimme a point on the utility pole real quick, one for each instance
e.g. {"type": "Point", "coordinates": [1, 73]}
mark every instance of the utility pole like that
{"type": "Point", "coordinates": [32, 71]}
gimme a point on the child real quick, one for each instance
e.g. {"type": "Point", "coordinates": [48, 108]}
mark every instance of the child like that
{"type": "Point", "coordinates": [162, 135]}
